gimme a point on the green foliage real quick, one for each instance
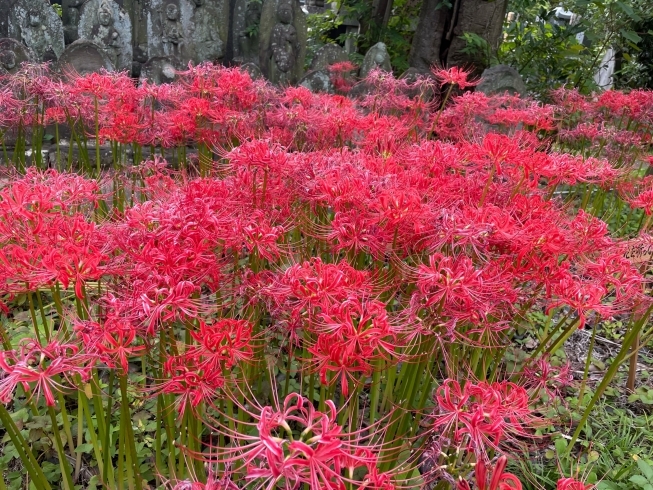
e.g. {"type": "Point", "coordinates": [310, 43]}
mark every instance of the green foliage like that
{"type": "Point", "coordinates": [611, 454]}
{"type": "Point", "coordinates": [548, 54]}
{"type": "Point", "coordinates": [397, 34]}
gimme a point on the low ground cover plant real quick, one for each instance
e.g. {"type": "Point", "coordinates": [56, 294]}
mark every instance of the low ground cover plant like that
{"type": "Point", "coordinates": [244, 286]}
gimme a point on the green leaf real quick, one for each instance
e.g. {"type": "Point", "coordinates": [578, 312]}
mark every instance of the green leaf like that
{"type": "Point", "coordinates": [646, 469]}
{"type": "Point", "coordinates": [628, 10]}
{"type": "Point", "coordinates": [608, 485]}
{"type": "Point", "coordinates": [630, 35]}
{"type": "Point", "coordinates": [638, 480]}
{"type": "Point", "coordinates": [84, 448]}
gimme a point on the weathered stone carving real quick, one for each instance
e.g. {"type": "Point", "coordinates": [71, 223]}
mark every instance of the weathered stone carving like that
{"type": "Point", "coordinates": [253, 70]}
{"type": "Point", "coordinates": [161, 69]}
{"type": "Point", "coordinates": [37, 25]}
{"type": "Point", "coordinates": [84, 57]}
{"type": "Point", "coordinates": [376, 58]}
{"type": "Point", "coordinates": [501, 79]}
{"type": "Point", "coordinates": [245, 28]}
{"type": "Point", "coordinates": [318, 81]}
{"type": "Point", "coordinates": [169, 29]}
{"type": "Point", "coordinates": [173, 33]}
{"type": "Point", "coordinates": [107, 25]}
{"type": "Point", "coordinates": [12, 54]}
{"type": "Point", "coordinates": [283, 41]}
{"type": "Point", "coordinates": [70, 12]}
{"type": "Point", "coordinates": [210, 29]}
{"type": "Point", "coordinates": [328, 55]}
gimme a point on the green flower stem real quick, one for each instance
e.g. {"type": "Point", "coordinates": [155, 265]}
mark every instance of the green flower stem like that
{"type": "Point", "coordinates": [66, 473]}
{"type": "Point", "coordinates": [588, 361]}
{"type": "Point", "coordinates": [43, 317]}
{"type": "Point", "coordinates": [24, 452]}
{"type": "Point", "coordinates": [612, 370]}
{"type": "Point", "coordinates": [66, 424]}
{"type": "Point", "coordinates": [32, 313]}
{"type": "Point", "coordinates": [135, 481]}
{"type": "Point", "coordinates": [106, 442]}
{"type": "Point", "coordinates": [563, 336]}
{"type": "Point", "coordinates": [375, 389]}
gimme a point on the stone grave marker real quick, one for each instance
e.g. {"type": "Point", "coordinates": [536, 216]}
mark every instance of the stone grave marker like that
{"type": "Point", "coordinates": [84, 57]}
{"type": "Point", "coordinates": [283, 33]}
{"type": "Point", "coordinates": [36, 24]}
{"type": "Point", "coordinates": [327, 55]}
{"type": "Point", "coordinates": [161, 69]}
{"type": "Point", "coordinates": [318, 81]}
{"type": "Point", "coordinates": [210, 30]}
{"type": "Point", "coordinates": [501, 79]}
{"type": "Point", "coordinates": [106, 24]}
{"type": "Point", "coordinates": [245, 31]}
{"type": "Point", "coordinates": [377, 57]}
{"type": "Point", "coordinates": [12, 54]}
{"type": "Point", "coordinates": [170, 29]}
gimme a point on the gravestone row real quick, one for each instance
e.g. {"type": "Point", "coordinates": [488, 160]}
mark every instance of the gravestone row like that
{"type": "Point", "coordinates": [155, 39]}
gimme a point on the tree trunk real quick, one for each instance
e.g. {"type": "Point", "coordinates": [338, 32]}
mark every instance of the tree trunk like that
{"type": "Point", "coordinates": [438, 39]}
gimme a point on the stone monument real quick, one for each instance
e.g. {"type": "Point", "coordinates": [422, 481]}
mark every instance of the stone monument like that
{"type": "Point", "coordinates": [245, 31]}
{"type": "Point", "coordinates": [318, 81]}
{"type": "Point", "coordinates": [12, 54]}
{"type": "Point", "coordinates": [35, 24]}
{"type": "Point", "coordinates": [161, 69]}
{"type": "Point", "coordinates": [82, 57]}
{"type": "Point", "coordinates": [501, 79]}
{"type": "Point", "coordinates": [70, 12]}
{"type": "Point", "coordinates": [253, 70]}
{"type": "Point", "coordinates": [327, 55]}
{"type": "Point", "coordinates": [106, 24]}
{"type": "Point", "coordinates": [376, 58]}
{"type": "Point", "coordinates": [283, 35]}
{"type": "Point", "coordinates": [170, 28]}
{"type": "Point", "coordinates": [210, 30]}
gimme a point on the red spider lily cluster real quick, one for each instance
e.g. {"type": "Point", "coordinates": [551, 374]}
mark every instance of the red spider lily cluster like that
{"type": "Point", "coordinates": [365, 260]}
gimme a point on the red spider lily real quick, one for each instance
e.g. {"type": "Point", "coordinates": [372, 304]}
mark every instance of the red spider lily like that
{"type": "Point", "coordinates": [481, 415]}
{"type": "Point", "coordinates": [41, 368]}
{"type": "Point", "coordinates": [572, 484]}
{"type": "Point", "coordinates": [455, 76]}
{"type": "Point", "coordinates": [191, 381]}
{"type": "Point", "coordinates": [314, 451]}
{"type": "Point", "coordinates": [499, 479]}
{"type": "Point", "coordinates": [224, 343]}
{"type": "Point", "coordinates": [542, 376]}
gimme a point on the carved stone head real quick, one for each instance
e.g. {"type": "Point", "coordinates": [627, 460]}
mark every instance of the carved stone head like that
{"type": "Point", "coordinates": [105, 14]}
{"type": "Point", "coordinates": [33, 18]}
{"type": "Point", "coordinates": [172, 12]}
{"type": "Point", "coordinates": [7, 59]}
{"type": "Point", "coordinates": [253, 14]}
{"type": "Point", "coordinates": [284, 12]}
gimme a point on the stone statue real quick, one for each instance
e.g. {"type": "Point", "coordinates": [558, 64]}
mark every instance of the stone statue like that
{"type": "Point", "coordinates": [328, 55]}
{"type": "Point", "coordinates": [12, 54]}
{"type": "Point", "coordinates": [107, 25]}
{"type": "Point", "coordinates": [37, 26]}
{"type": "Point", "coordinates": [70, 10]}
{"type": "Point", "coordinates": [283, 44]}
{"type": "Point", "coordinates": [82, 57]}
{"type": "Point", "coordinates": [376, 58]}
{"type": "Point", "coordinates": [247, 19]}
{"type": "Point", "coordinates": [173, 32]}
{"type": "Point", "coordinates": [161, 69]}
{"type": "Point", "coordinates": [170, 29]}
{"type": "Point", "coordinates": [210, 24]}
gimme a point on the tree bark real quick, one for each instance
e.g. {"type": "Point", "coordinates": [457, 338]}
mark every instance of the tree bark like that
{"type": "Point", "coordinates": [438, 39]}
